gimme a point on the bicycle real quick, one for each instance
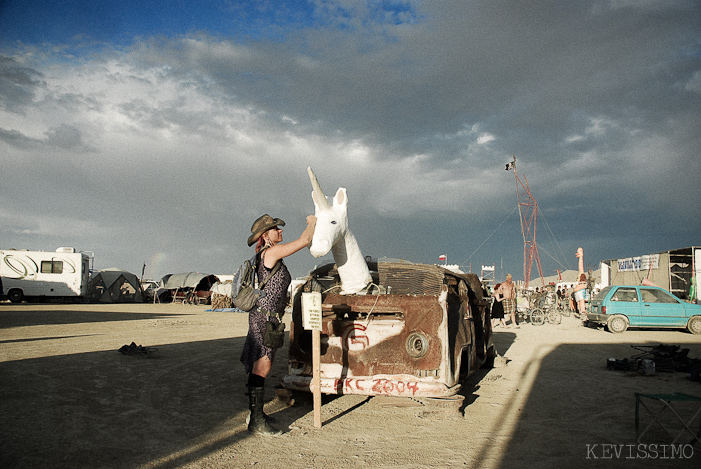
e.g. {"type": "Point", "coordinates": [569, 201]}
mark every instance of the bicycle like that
{"type": "Point", "coordinates": [552, 312]}
{"type": "Point", "coordinates": [532, 313]}
{"type": "Point", "coordinates": [544, 308]}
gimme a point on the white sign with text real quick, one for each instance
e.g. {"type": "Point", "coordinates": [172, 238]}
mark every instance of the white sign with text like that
{"type": "Point", "coordinates": [311, 311]}
{"type": "Point", "coordinates": [635, 264]}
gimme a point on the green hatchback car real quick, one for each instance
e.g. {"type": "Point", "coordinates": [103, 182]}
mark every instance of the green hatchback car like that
{"type": "Point", "coordinates": [619, 307]}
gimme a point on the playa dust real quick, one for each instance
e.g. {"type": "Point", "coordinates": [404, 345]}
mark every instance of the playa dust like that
{"type": "Point", "coordinates": [69, 399]}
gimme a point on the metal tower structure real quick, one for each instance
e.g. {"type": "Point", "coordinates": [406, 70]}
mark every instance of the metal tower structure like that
{"type": "Point", "coordinates": [487, 276]}
{"type": "Point", "coordinates": [528, 212]}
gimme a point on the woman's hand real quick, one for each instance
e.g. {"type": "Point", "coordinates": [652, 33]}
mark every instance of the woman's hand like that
{"type": "Point", "coordinates": [308, 233]}
{"type": "Point", "coordinates": [280, 251]}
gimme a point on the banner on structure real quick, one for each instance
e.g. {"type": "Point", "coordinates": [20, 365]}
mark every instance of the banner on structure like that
{"type": "Point", "coordinates": [634, 264]}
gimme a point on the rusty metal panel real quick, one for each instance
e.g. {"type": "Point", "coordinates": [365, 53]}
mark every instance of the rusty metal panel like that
{"type": "Point", "coordinates": [409, 340]}
{"type": "Point", "coordinates": [411, 279]}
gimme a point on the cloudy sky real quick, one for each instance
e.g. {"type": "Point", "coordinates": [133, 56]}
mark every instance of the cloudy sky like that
{"type": "Point", "coordinates": [156, 132]}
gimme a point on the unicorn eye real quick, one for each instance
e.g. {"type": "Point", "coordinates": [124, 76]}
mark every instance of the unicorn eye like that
{"type": "Point", "coordinates": [333, 222]}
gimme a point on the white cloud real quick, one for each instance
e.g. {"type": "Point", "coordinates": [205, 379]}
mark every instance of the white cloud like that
{"type": "Point", "coordinates": [485, 138]}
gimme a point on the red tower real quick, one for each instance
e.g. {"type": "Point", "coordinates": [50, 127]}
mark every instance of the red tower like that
{"type": "Point", "coordinates": [528, 212]}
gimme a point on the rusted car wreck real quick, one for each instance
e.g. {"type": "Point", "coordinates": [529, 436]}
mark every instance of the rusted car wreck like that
{"type": "Point", "coordinates": [418, 332]}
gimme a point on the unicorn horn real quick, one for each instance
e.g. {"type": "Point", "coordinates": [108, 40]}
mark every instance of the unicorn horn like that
{"type": "Point", "coordinates": [317, 193]}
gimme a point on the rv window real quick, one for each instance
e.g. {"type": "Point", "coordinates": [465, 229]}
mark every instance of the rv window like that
{"type": "Point", "coordinates": [51, 267]}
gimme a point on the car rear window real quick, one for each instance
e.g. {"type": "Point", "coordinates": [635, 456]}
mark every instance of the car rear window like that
{"type": "Point", "coordinates": [625, 294]}
{"type": "Point", "coordinates": [602, 294]}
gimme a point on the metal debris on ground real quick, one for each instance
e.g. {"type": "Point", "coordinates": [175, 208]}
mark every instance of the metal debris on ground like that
{"type": "Point", "coordinates": [660, 358]}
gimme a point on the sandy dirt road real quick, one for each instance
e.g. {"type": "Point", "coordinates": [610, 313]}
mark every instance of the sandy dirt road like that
{"type": "Point", "coordinates": [69, 399]}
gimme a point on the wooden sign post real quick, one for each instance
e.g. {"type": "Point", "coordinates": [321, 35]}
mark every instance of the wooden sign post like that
{"type": "Point", "coordinates": [311, 320]}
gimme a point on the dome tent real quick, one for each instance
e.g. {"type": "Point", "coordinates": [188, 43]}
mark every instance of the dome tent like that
{"type": "Point", "coordinates": [190, 287]}
{"type": "Point", "coordinates": [194, 280]}
{"type": "Point", "coordinates": [115, 286]}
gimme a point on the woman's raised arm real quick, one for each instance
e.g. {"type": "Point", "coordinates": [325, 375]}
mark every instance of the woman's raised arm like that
{"type": "Point", "coordinates": [280, 251]}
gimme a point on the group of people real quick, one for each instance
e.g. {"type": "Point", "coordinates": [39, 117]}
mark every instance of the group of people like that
{"type": "Point", "coordinates": [504, 304]}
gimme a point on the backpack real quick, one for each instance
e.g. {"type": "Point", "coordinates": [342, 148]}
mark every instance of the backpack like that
{"type": "Point", "coordinates": [244, 284]}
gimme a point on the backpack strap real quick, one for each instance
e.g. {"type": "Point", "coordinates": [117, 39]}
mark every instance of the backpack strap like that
{"type": "Point", "coordinates": [276, 267]}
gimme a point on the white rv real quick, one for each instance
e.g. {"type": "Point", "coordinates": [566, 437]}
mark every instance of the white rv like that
{"type": "Point", "coordinates": [35, 274]}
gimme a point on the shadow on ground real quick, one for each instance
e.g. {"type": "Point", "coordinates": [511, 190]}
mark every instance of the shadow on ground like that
{"type": "Point", "coordinates": [588, 411]}
{"type": "Point", "coordinates": [470, 389]}
{"type": "Point", "coordinates": [27, 317]}
{"type": "Point", "coordinates": [106, 409]}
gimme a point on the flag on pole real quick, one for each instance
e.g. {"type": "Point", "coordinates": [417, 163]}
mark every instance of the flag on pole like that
{"type": "Point", "coordinates": [442, 257]}
{"type": "Point", "coordinates": [510, 165]}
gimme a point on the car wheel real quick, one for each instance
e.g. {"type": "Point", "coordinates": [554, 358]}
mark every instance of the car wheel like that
{"type": "Point", "coordinates": [694, 325]}
{"type": "Point", "coordinates": [15, 296]}
{"type": "Point", "coordinates": [537, 317]}
{"type": "Point", "coordinates": [617, 324]}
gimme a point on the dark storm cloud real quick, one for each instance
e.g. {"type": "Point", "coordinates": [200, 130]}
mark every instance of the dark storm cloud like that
{"type": "Point", "coordinates": [64, 136]}
{"type": "Point", "coordinates": [17, 84]}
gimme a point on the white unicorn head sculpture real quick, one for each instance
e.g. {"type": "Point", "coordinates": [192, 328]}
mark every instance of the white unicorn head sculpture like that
{"type": "Point", "coordinates": [332, 234]}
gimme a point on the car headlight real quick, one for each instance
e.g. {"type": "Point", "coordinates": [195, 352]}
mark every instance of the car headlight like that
{"type": "Point", "coordinates": [417, 345]}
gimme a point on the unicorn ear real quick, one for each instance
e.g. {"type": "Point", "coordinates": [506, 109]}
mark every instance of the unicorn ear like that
{"type": "Point", "coordinates": [340, 198]}
{"type": "Point", "coordinates": [322, 202]}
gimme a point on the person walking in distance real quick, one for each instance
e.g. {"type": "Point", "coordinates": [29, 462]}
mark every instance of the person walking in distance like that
{"type": "Point", "coordinates": [506, 294]}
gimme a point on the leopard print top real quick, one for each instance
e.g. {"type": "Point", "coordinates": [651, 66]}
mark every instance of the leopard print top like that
{"type": "Point", "coordinates": [275, 299]}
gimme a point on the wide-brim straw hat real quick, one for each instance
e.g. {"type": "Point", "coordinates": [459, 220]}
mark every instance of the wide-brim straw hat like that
{"type": "Point", "coordinates": [261, 225]}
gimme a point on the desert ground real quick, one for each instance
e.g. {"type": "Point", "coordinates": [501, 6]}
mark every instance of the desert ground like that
{"type": "Point", "coordinates": [69, 399]}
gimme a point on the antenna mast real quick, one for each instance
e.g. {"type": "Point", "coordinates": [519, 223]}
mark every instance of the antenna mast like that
{"type": "Point", "coordinates": [528, 212]}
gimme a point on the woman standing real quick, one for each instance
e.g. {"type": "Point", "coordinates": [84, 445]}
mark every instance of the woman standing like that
{"type": "Point", "coordinates": [257, 359]}
{"type": "Point", "coordinates": [497, 310]}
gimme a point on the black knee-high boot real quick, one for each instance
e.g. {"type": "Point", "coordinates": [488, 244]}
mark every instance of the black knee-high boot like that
{"type": "Point", "coordinates": [256, 381]}
{"type": "Point", "coordinates": [257, 422]}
